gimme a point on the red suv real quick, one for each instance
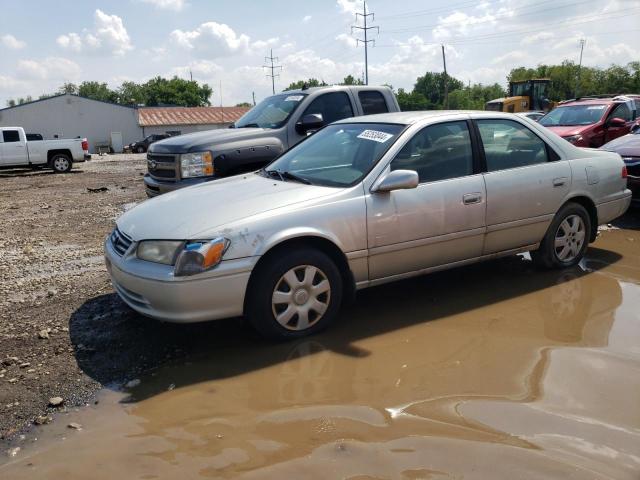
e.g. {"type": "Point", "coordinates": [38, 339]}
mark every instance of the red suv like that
{"type": "Point", "coordinates": [592, 122]}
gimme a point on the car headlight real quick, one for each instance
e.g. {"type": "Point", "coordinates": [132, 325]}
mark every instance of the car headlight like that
{"type": "Point", "coordinates": [158, 251]}
{"type": "Point", "coordinates": [198, 164]}
{"type": "Point", "coordinates": [573, 138]}
{"type": "Point", "coordinates": [200, 255]}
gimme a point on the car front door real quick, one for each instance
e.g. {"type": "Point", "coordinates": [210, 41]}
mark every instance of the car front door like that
{"type": "Point", "coordinates": [526, 184]}
{"type": "Point", "coordinates": [14, 150]}
{"type": "Point", "coordinates": [333, 106]}
{"type": "Point", "coordinates": [441, 221]}
{"type": "Point", "coordinates": [623, 112]}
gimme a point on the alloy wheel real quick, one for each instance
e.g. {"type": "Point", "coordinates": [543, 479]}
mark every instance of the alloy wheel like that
{"type": "Point", "coordinates": [570, 238]}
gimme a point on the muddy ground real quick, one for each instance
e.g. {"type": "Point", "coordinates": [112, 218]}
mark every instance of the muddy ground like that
{"type": "Point", "coordinates": [63, 333]}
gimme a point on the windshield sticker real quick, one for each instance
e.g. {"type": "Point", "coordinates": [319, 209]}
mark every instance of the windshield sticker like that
{"type": "Point", "coordinates": [596, 107]}
{"type": "Point", "coordinates": [375, 135]}
{"type": "Point", "coordinates": [294, 98]}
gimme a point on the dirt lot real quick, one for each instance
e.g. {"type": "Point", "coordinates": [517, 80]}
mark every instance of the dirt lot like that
{"type": "Point", "coordinates": [427, 365]}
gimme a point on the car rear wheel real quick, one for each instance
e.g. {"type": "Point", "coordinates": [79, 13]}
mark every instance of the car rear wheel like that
{"type": "Point", "coordinates": [294, 295]}
{"type": "Point", "coordinates": [140, 149]}
{"type": "Point", "coordinates": [566, 240]}
{"type": "Point", "coordinates": [61, 163]}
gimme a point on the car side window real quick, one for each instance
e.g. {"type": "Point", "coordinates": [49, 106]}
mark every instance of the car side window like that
{"type": "Point", "coordinates": [508, 144]}
{"type": "Point", "coordinates": [621, 111]}
{"type": "Point", "coordinates": [372, 102]}
{"type": "Point", "coordinates": [10, 136]}
{"type": "Point", "coordinates": [332, 106]}
{"type": "Point", "coordinates": [437, 152]}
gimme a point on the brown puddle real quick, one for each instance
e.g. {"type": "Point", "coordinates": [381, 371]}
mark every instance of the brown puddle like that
{"type": "Point", "coordinates": [492, 371]}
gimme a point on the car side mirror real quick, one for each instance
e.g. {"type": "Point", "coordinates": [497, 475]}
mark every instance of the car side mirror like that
{"type": "Point", "coordinates": [397, 180]}
{"type": "Point", "coordinates": [617, 122]}
{"type": "Point", "coordinates": [311, 121]}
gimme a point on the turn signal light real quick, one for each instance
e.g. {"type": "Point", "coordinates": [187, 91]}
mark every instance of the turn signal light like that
{"type": "Point", "coordinates": [624, 172]}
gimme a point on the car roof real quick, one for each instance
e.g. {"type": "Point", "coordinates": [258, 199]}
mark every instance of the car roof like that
{"type": "Point", "coordinates": [590, 101]}
{"type": "Point", "coordinates": [409, 118]}
{"type": "Point", "coordinates": [336, 88]}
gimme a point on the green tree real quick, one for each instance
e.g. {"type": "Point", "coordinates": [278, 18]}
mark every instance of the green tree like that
{"type": "Point", "coordinates": [68, 88]}
{"type": "Point", "coordinates": [312, 82]}
{"type": "Point", "coordinates": [431, 85]}
{"type": "Point", "coordinates": [351, 80]}
{"type": "Point", "coordinates": [411, 101]}
{"type": "Point", "coordinates": [131, 93]}
{"type": "Point", "coordinates": [244, 104]}
{"type": "Point", "coordinates": [176, 91]}
{"type": "Point", "coordinates": [97, 91]}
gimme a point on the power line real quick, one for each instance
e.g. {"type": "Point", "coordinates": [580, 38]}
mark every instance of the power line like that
{"type": "Point", "coordinates": [366, 41]}
{"type": "Point", "coordinates": [273, 68]}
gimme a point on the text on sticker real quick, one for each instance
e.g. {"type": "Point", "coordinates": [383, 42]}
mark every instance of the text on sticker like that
{"type": "Point", "coordinates": [293, 98]}
{"type": "Point", "coordinates": [375, 135]}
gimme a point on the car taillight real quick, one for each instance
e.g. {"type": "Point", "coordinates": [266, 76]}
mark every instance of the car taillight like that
{"type": "Point", "coordinates": [85, 144]}
{"type": "Point", "coordinates": [624, 172]}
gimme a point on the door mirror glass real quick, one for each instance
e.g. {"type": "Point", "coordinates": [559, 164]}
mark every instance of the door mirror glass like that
{"type": "Point", "coordinates": [311, 121]}
{"type": "Point", "coordinates": [397, 180]}
{"type": "Point", "coordinates": [617, 122]}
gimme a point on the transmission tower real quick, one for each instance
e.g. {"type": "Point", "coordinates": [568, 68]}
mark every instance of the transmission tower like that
{"type": "Point", "coordinates": [272, 67]}
{"type": "Point", "coordinates": [365, 16]}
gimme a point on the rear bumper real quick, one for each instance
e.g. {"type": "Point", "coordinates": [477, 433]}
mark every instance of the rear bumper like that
{"type": "Point", "coordinates": [633, 184]}
{"type": "Point", "coordinates": [613, 209]}
{"type": "Point", "coordinates": [155, 187]}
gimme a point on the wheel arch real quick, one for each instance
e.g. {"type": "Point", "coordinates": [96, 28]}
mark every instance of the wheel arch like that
{"type": "Point", "coordinates": [62, 151]}
{"type": "Point", "coordinates": [309, 240]}
{"type": "Point", "coordinates": [591, 209]}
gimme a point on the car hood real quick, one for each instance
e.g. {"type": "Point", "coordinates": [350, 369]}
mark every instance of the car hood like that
{"type": "Point", "coordinates": [183, 214]}
{"type": "Point", "coordinates": [569, 130]}
{"type": "Point", "coordinates": [628, 145]}
{"type": "Point", "coordinates": [193, 142]}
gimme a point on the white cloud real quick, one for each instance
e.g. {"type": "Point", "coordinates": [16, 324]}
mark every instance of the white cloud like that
{"type": "Point", "coordinates": [50, 68]}
{"type": "Point", "coordinates": [460, 23]}
{"type": "Point", "coordinates": [306, 18]}
{"type": "Point", "coordinates": [350, 6]}
{"type": "Point", "coordinates": [212, 39]}
{"type": "Point", "coordinates": [175, 5]}
{"type": "Point", "coordinates": [108, 36]}
{"type": "Point", "coordinates": [347, 40]}
{"type": "Point", "coordinates": [537, 37]}
{"type": "Point", "coordinates": [263, 44]}
{"type": "Point", "coordinates": [512, 58]}
{"type": "Point", "coordinates": [12, 42]}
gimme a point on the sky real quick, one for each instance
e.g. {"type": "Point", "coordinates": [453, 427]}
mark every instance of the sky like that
{"type": "Point", "coordinates": [44, 44]}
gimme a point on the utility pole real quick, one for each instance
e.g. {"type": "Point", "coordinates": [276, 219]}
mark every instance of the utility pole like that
{"type": "Point", "coordinates": [191, 75]}
{"type": "Point", "coordinates": [446, 82]}
{"type": "Point", "coordinates": [273, 68]}
{"type": "Point", "coordinates": [254, 98]}
{"type": "Point", "coordinates": [366, 40]}
{"type": "Point", "coordinates": [582, 42]}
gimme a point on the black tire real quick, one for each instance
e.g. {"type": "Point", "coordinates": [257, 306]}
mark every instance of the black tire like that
{"type": "Point", "coordinates": [261, 312]}
{"type": "Point", "coordinates": [140, 149]}
{"type": "Point", "coordinates": [61, 163]}
{"type": "Point", "coordinates": [549, 255]}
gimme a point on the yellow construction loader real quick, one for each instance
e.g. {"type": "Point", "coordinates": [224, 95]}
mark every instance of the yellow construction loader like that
{"type": "Point", "coordinates": [524, 96]}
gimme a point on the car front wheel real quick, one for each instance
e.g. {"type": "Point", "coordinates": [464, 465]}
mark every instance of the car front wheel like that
{"type": "Point", "coordinates": [140, 149]}
{"type": "Point", "coordinates": [294, 295]}
{"type": "Point", "coordinates": [566, 240]}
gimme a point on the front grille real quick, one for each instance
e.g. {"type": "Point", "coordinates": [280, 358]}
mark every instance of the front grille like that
{"type": "Point", "coordinates": [161, 166]}
{"type": "Point", "coordinates": [119, 241]}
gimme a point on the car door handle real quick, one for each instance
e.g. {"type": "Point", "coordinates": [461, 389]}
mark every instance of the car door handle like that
{"type": "Point", "coordinates": [471, 198]}
{"type": "Point", "coordinates": [559, 182]}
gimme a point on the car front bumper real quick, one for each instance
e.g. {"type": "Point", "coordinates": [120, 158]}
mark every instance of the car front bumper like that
{"type": "Point", "coordinates": [155, 187]}
{"type": "Point", "coordinates": [152, 290]}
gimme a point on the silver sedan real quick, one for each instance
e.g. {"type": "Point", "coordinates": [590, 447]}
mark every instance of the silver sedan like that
{"type": "Point", "coordinates": [362, 202]}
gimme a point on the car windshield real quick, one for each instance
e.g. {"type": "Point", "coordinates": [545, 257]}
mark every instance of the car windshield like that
{"type": "Point", "coordinates": [272, 112]}
{"type": "Point", "coordinates": [574, 115]}
{"type": "Point", "coordinates": [339, 155]}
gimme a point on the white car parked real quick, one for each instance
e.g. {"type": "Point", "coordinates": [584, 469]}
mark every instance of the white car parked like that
{"type": "Point", "coordinates": [59, 154]}
{"type": "Point", "coordinates": [362, 202]}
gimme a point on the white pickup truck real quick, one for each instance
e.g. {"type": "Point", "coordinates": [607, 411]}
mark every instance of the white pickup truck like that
{"type": "Point", "coordinates": [16, 151]}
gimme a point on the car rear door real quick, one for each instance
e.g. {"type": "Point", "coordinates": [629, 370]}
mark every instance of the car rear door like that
{"type": "Point", "coordinates": [442, 220]}
{"type": "Point", "coordinates": [623, 112]}
{"type": "Point", "coordinates": [526, 183]}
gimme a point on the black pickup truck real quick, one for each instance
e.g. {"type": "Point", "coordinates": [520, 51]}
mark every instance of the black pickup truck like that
{"type": "Point", "coordinates": [264, 132]}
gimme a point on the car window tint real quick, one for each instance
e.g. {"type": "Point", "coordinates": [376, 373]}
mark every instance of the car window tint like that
{"type": "Point", "coordinates": [621, 111]}
{"type": "Point", "coordinates": [437, 152]}
{"type": "Point", "coordinates": [10, 136]}
{"type": "Point", "coordinates": [372, 102]}
{"type": "Point", "coordinates": [508, 144]}
{"type": "Point", "coordinates": [332, 106]}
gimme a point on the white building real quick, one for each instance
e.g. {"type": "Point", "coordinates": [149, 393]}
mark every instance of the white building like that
{"type": "Point", "coordinates": [109, 124]}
